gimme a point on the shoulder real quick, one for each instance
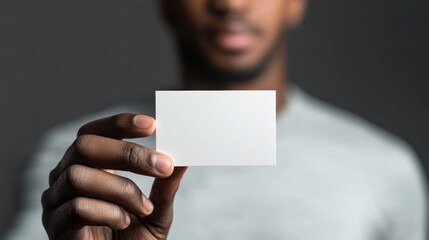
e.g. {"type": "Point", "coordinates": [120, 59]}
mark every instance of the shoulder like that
{"type": "Point", "coordinates": [386, 164]}
{"type": "Point", "coordinates": [372, 148]}
{"type": "Point", "coordinates": [343, 130]}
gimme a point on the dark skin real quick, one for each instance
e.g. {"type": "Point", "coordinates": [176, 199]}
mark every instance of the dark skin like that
{"type": "Point", "coordinates": [86, 199]}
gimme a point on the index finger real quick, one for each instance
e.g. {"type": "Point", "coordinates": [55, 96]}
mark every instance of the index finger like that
{"type": "Point", "coordinates": [125, 125]}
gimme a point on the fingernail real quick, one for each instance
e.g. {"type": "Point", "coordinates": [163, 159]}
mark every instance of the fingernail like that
{"type": "Point", "coordinates": [161, 163]}
{"type": "Point", "coordinates": [148, 205]}
{"type": "Point", "coordinates": [143, 122]}
{"type": "Point", "coordinates": [127, 220]}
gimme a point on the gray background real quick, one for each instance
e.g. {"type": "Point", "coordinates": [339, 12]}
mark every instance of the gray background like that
{"type": "Point", "coordinates": [60, 60]}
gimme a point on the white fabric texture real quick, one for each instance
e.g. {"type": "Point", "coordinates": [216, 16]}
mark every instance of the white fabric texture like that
{"type": "Point", "coordinates": [337, 177]}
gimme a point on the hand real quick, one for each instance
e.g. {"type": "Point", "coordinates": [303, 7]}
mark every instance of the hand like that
{"type": "Point", "coordinates": [86, 200]}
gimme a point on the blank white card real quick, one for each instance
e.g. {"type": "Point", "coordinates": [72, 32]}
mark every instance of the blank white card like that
{"type": "Point", "coordinates": [213, 128]}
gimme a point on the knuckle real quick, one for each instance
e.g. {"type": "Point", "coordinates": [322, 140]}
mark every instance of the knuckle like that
{"type": "Point", "coordinates": [83, 129]}
{"type": "Point", "coordinates": [74, 176]}
{"type": "Point", "coordinates": [77, 207]}
{"type": "Point", "coordinates": [116, 212]}
{"type": "Point", "coordinates": [45, 198]}
{"type": "Point", "coordinates": [81, 144]}
{"type": "Point", "coordinates": [134, 154]}
{"type": "Point", "coordinates": [71, 149]}
{"type": "Point", "coordinates": [130, 189]}
{"type": "Point", "coordinates": [52, 176]}
{"type": "Point", "coordinates": [117, 218]}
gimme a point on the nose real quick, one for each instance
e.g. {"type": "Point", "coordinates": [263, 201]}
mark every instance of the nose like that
{"type": "Point", "coordinates": [225, 7]}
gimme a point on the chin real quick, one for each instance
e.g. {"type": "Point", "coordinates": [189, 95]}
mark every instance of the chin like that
{"type": "Point", "coordinates": [226, 67]}
{"type": "Point", "coordinates": [234, 70]}
{"type": "Point", "coordinates": [235, 63]}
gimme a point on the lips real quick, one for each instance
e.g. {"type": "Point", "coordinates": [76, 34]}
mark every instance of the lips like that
{"type": "Point", "coordinates": [233, 37]}
{"type": "Point", "coordinates": [234, 40]}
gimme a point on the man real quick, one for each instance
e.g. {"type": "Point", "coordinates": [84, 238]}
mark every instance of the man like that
{"type": "Point", "coordinates": [337, 176]}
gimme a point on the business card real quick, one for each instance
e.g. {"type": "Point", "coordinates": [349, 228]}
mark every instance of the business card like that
{"type": "Point", "coordinates": [217, 128]}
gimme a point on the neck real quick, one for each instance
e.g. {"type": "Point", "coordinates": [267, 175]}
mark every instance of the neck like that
{"type": "Point", "coordinates": [272, 78]}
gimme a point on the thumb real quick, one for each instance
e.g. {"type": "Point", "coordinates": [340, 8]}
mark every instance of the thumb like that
{"type": "Point", "coordinates": [162, 197]}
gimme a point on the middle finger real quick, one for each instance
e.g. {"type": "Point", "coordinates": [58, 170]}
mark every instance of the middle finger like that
{"type": "Point", "coordinates": [101, 152]}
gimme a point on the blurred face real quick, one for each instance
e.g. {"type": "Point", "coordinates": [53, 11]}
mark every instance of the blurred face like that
{"type": "Point", "coordinates": [236, 36]}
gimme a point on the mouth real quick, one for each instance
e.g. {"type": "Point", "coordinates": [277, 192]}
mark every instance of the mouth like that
{"type": "Point", "coordinates": [232, 38]}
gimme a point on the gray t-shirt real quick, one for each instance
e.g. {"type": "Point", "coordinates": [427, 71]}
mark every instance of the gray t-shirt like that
{"type": "Point", "coordinates": [337, 177]}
